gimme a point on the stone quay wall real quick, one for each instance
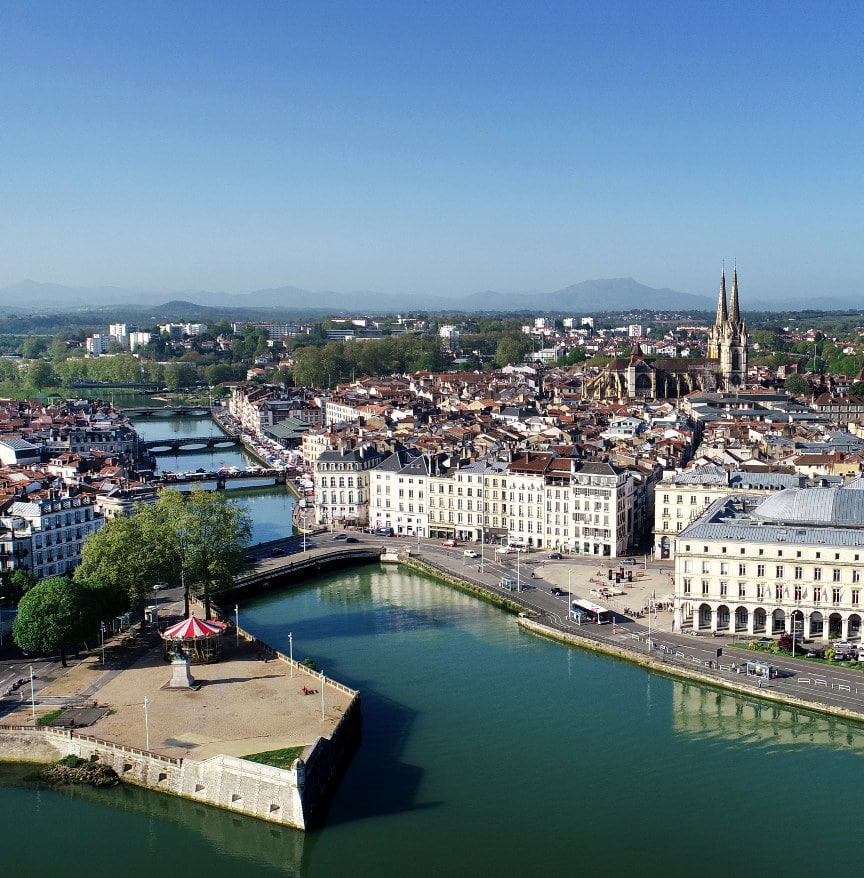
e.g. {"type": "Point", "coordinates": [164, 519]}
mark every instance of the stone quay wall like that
{"type": "Point", "coordinates": [293, 797]}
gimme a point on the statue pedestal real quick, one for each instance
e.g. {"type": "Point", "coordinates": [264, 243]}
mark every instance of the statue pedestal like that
{"type": "Point", "coordinates": [181, 678]}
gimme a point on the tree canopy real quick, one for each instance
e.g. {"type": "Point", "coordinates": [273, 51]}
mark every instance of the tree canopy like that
{"type": "Point", "coordinates": [55, 613]}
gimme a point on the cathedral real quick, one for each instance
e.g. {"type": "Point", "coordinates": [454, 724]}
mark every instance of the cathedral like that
{"type": "Point", "coordinates": [723, 369]}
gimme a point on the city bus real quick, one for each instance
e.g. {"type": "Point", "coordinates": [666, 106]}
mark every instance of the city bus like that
{"type": "Point", "coordinates": [585, 611]}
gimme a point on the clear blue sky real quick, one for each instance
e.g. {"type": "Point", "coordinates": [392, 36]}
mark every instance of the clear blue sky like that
{"type": "Point", "coordinates": [441, 147]}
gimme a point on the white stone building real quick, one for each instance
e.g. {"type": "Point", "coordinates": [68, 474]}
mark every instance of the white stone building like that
{"type": "Point", "coordinates": [754, 566]}
{"type": "Point", "coordinates": [342, 480]}
{"type": "Point", "coordinates": [398, 493]}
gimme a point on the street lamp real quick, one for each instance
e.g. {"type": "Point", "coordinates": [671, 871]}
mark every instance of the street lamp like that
{"type": "Point", "coordinates": [518, 582]}
{"type": "Point", "coordinates": [237, 622]}
{"type": "Point", "coordinates": [323, 683]}
{"type": "Point", "coordinates": [32, 694]}
{"type": "Point", "coordinates": [291, 651]}
{"type": "Point", "coordinates": [147, 719]}
{"type": "Point", "coordinates": [569, 594]}
{"type": "Point", "coordinates": [102, 632]}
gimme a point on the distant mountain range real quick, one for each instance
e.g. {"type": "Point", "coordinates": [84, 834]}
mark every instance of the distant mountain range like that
{"type": "Point", "coordinates": [590, 296]}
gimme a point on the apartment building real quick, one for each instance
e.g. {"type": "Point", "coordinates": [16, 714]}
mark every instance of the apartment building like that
{"type": "Point", "coordinates": [342, 479]}
{"type": "Point", "coordinates": [398, 493]}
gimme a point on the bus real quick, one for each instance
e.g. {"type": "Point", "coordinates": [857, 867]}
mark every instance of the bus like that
{"type": "Point", "coordinates": [585, 611]}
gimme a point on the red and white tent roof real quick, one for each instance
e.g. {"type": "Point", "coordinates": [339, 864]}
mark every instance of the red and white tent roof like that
{"type": "Point", "coordinates": [191, 628]}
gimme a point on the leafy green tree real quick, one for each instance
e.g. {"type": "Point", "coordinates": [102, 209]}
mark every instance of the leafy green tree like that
{"type": "Point", "coordinates": [214, 531]}
{"type": "Point", "coordinates": [52, 615]}
{"type": "Point", "coordinates": [33, 347]}
{"type": "Point", "coordinates": [797, 385]}
{"type": "Point", "coordinates": [121, 555]}
{"type": "Point", "coordinates": [512, 349]}
{"type": "Point", "coordinates": [39, 374]}
{"type": "Point", "coordinates": [856, 388]}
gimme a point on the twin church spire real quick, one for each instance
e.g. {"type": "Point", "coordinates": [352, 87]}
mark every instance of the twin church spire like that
{"type": "Point", "coordinates": [727, 340]}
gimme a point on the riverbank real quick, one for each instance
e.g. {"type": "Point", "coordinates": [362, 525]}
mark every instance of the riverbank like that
{"type": "Point", "coordinates": [713, 661]}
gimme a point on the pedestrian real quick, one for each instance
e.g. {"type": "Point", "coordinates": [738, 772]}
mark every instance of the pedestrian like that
{"type": "Point", "coordinates": [760, 683]}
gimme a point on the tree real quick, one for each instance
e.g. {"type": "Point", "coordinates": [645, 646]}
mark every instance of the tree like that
{"type": "Point", "coordinates": [17, 584]}
{"type": "Point", "coordinates": [797, 385]}
{"type": "Point", "coordinates": [212, 532]}
{"type": "Point", "coordinates": [511, 349]}
{"type": "Point", "coordinates": [121, 555]}
{"type": "Point", "coordinates": [39, 374]}
{"type": "Point", "coordinates": [52, 615]}
{"type": "Point", "coordinates": [856, 388]}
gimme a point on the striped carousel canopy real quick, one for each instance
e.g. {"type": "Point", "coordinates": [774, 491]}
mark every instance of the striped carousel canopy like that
{"type": "Point", "coordinates": [191, 628]}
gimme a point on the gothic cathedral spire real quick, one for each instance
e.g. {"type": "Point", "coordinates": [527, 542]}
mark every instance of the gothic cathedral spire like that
{"type": "Point", "coordinates": [722, 313]}
{"type": "Point", "coordinates": [734, 314]}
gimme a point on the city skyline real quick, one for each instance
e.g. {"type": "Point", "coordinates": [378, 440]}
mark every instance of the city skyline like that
{"type": "Point", "coordinates": [437, 150]}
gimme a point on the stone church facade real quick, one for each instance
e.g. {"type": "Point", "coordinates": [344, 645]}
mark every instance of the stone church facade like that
{"type": "Point", "coordinates": [723, 369]}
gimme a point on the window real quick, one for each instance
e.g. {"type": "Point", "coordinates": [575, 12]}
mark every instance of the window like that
{"type": "Point", "coordinates": [817, 574]}
{"type": "Point", "coordinates": [835, 595]}
{"type": "Point", "coordinates": [817, 593]}
{"type": "Point", "coordinates": [724, 568]}
{"type": "Point", "coordinates": [742, 569]}
{"type": "Point", "coordinates": [799, 573]}
{"type": "Point", "coordinates": [742, 590]}
{"type": "Point", "coordinates": [704, 586]}
{"type": "Point", "coordinates": [856, 576]}
{"type": "Point", "coordinates": [856, 594]}
{"type": "Point", "coordinates": [760, 570]}
{"type": "Point", "coordinates": [705, 567]}
{"type": "Point", "coordinates": [799, 591]}
{"type": "Point", "coordinates": [778, 592]}
{"type": "Point", "coordinates": [724, 588]}
{"type": "Point", "coordinates": [835, 575]}
{"type": "Point", "coordinates": [778, 571]}
{"type": "Point", "coordinates": [687, 584]}
{"type": "Point", "coordinates": [760, 591]}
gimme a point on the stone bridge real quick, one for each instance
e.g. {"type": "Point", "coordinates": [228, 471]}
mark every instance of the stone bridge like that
{"type": "Point", "coordinates": [189, 443]}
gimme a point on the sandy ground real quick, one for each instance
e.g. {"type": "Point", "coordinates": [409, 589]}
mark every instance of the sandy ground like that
{"type": "Point", "coordinates": [243, 705]}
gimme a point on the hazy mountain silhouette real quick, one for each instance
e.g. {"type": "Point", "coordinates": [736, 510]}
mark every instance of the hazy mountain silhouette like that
{"type": "Point", "coordinates": [609, 294]}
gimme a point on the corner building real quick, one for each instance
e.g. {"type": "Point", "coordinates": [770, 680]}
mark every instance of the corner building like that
{"type": "Point", "coordinates": [762, 566]}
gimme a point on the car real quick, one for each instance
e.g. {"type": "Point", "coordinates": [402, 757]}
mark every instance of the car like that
{"type": "Point", "coordinates": [161, 586]}
{"type": "Point", "coordinates": [341, 537]}
{"type": "Point", "coordinates": [249, 559]}
{"type": "Point", "coordinates": [628, 561]}
{"type": "Point", "coordinates": [815, 653]}
{"type": "Point", "coordinates": [470, 553]}
{"type": "Point", "coordinates": [276, 551]}
{"type": "Point", "coordinates": [557, 591]}
{"type": "Point", "coordinates": [764, 641]}
{"type": "Point", "coordinates": [384, 531]}
{"type": "Point", "coordinates": [555, 556]}
{"type": "Point", "coordinates": [449, 543]}
{"type": "Point", "coordinates": [351, 540]}
{"type": "Point", "coordinates": [503, 550]}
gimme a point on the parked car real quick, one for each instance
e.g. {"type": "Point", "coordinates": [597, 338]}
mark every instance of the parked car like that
{"type": "Point", "coordinates": [557, 591]}
{"type": "Point", "coordinates": [384, 531]}
{"type": "Point", "coordinates": [628, 561]}
{"type": "Point", "coordinates": [161, 586]}
{"type": "Point", "coordinates": [341, 537]}
{"type": "Point", "coordinates": [470, 553]}
{"type": "Point", "coordinates": [276, 551]}
{"type": "Point", "coordinates": [449, 543]}
{"type": "Point", "coordinates": [503, 550]}
{"type": "Point", "coordinates": [249, 559]}
{"type": "Point", "coordinates": [764, 641]}
{"type": "Point", "coordinates": [351, 540]}
{"type": "Point", "coordinates": [555, 556]}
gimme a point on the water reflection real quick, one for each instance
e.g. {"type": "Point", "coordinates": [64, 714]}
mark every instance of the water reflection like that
{"type": "Point", "coordinates": [706, 713]}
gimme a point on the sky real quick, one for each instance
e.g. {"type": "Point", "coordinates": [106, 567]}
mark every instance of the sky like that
{"type": "Point", "coordinates": [432, 147]}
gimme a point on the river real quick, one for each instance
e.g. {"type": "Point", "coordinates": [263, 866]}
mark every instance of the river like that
{"type": "Point", "coordinates": [486, 751]}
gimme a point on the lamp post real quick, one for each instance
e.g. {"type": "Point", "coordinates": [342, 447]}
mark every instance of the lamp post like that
{"type": "Point", "coordinates": [291, 651]}
{"type": "Point", "coordinates": [518, 581]}
{"type": "Point", "coordinates": [323, 683]}
{"type": "Point", "coordinates": [147, 719]}
{"type": "Point", "coordinates": [237, 622]}
{"type": "Point", "coordinates": [32, 695]}
{"type": "Point", "coordinates": [102, 633]}
{"type": "Point", "coordinates": [569, 594]}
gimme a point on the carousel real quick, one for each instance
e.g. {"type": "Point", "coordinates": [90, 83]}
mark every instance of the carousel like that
{"type": "Point", "coordinates": [197, 640]}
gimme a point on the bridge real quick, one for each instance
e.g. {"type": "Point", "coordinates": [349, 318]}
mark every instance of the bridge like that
{"type": "Point", "coordinates": [189, 443]}
{"type": "Point", "coordinates": [220, 479]}
{"type": "Point", "coordinates": [268, 570]}
{"type": "Point", "coordinates": [166, 411]}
